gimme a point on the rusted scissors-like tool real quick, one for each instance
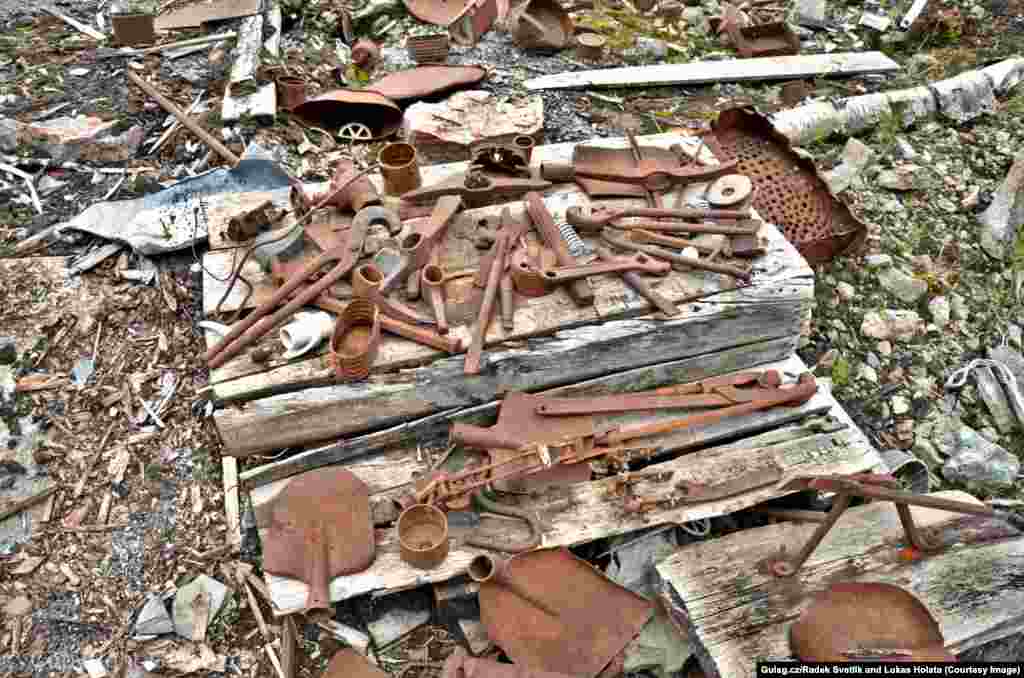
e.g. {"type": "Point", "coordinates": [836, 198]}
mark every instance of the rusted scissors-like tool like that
{"type": "Point", "coordinates": [874, 486]}
{"type": "Point", "coordinates": [263, 318]}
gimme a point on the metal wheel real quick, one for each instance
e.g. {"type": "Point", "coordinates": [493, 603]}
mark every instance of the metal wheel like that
{"type": "Point", "coordinates": [355, 131]}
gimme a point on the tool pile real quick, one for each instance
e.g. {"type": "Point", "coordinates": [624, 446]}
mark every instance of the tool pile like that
{"type": "Point", "coordinates": [510, 270]}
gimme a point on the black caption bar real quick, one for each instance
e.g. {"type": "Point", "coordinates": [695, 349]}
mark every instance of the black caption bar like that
{"type": "Point", "coordinates": [910, 669]}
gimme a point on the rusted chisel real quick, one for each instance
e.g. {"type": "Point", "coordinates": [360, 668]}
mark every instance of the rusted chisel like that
{"type": "Point", "coordinates": [634, 280]}
{"type": "Point", "coordinates": [580, 290]}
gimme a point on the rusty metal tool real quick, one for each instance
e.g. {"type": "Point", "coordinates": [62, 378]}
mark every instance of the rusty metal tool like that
{"type": "Point", "coordinates": [650, 174]}
{"type": "Point", "coordinates": [641, 286]}
{"type": "Point", "coordinates": [880, 487]}
{"type": "Point", "coordinates": [508, 319]}
{"type": "Point", "coordinates": [653, 199]}
{"type": "Point", "coordinates": [688, 492]}
{"type": "Point", "coordinates": [678, 259]}
{"type": "Point", "coordinates": [516, 229]}
{"type": "Point", "coordinates": [638, 262]}
{"type": "Point", "coordinates": [594, 620]}
{"type": "Point", "coordinates": [744, 246]}
{"type": "Point", "coordinates": [432, 280]}
{"type": "Point", "coordinates": [798, 394]}
{"type": "Point", "coordinates": [580, 291]}
{"type": "Point", "coordinates": [477, 188]}
{"type": "Point", "coordinates": [417, 247]}
{"type": "Point", "coordinates": [593, 224]}
{"type": "Point", "coordinates": [319, 527]}
{"type": "Point", "coordinates": [263, 318]}
{"type": "Point", "coordinates": [713, 393]}
{"type": "Point", "coordinates": [367, 281]}
{"type": "Point", "coordinates": [476, 347]}
{"type": "Point", "coordinates": [421, 335]}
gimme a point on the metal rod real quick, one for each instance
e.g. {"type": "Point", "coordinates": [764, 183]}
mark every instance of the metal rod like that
{"type": "Point", "coordinates": [839, 505]}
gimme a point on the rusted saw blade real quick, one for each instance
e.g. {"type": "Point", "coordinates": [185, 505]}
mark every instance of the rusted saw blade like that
{"type": "Point", "coordinates": [854, 616]}
{"type": "Point", "coordinates": [602, 159]}
{"type": "Point", "coordinates": [595, 620]}
{"type": "Point", "coordinates": [319, 527]}
{"type": "Point", "coordinates": [425, 81]}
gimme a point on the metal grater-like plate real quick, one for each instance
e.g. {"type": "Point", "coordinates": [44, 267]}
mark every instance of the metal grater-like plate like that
{"type": "Point", "coordinates": [788, 190]}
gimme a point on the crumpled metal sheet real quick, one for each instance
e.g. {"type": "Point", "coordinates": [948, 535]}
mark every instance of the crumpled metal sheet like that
{"type": "Point", "coordinates": [166, 221]}
{"type": "Point", "coordinates": [425, 81]}
{"type": "Point", "coordinates": [789, 191]}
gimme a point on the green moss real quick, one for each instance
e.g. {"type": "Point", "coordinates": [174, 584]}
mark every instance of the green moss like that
{"type": "Point", "coordinates": [841, 372]}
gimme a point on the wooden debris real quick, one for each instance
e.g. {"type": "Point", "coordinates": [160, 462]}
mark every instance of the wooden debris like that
{"type": "Point", "coordinates": [128, 52]}
{"type": "Point", "coordinates": [201, 615]}
{"type": "Point", "coordinates": [232, 510]}
{"type": "Point", "coordinates": [74, 23]}
{"type": "Point", "coordinates": [8, 509]}
{"type": "Point", "coordinates": [735, 613]}
{"type": "Point", "coordinates": [289, 647]}
{"type": "Point", "coordinates": [354, 638]}
{"type": "Point", "coordinates": [195, 15]}
{"type": "Point", "coordinates": [735, 70]}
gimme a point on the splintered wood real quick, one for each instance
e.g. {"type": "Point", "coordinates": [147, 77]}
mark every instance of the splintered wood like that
{"type": "Point", "coordinates": [737, 614]}
{"type": "Point", "coordinates": [588, 511]}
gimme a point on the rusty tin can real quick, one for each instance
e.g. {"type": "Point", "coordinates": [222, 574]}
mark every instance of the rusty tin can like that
{"type": "Point", "coordinates": [399, 166]}
{"type": "Point", "coordinates": [423, 536]}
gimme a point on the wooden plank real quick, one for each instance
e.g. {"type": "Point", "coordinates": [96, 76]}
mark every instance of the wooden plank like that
{"type": "Point", "coordinates": [243, 70]}
{"type": "Point", "coordinates": [585, 512]}
{"type": "Point", "coordinates": [232, 508]}
{"type": "Point", "coordinates": [732, 70]}
{"type": "Point", "coordinates": [199, 13]}
{"type": "Point", "coordinates": [74, 23]}
{"type": "Point", "coordinates": [534, 316]}
{"type": "Point", "coordinates": [587, 352]}
{"type": "Point", "coordinates": [736, 615]}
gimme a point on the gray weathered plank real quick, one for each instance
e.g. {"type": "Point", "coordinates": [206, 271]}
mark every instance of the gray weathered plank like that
{"type": "Point", "coordinates": [432, 431]}
{"type": "Point", "coordinates": [736, 615]}
{"type": "Point", "coordinates": [585, 512]}
{"type": "Point", "coordinates": [733, 70]}
{"type": "Point", "coordinates": [317, 414]}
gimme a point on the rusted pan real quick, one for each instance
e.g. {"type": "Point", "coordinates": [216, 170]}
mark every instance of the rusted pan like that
{"type": "Point", "coordinates": [789, 192]}
{"type": "Point", "coordinates": [460, 665]}
{"type": "Point", "coordinates": [595, 618]}
{"type": "Point", "coordinates": [347, 663]}
{"type": "Point", "coordinates": [439, 12]}
{"type": "Point", "coordinates": [854, 621]}
{"type": "Point", "coordinates": [342, 106]}
{"type": "Point", "coordinates": [318, 528]}
{"type": "Point", "coordinates": [425, 81]}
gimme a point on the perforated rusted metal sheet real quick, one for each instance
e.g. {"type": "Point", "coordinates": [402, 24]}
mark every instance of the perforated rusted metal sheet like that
{"type": "Point", "coordinates": [788, 189]}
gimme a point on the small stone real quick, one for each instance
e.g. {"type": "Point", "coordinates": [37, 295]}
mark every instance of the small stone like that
{"type": "Point", "coordinates": [892, 324]}
{"type": "Point", "coordinates": [958, 307]}
{"type": "Point", "coordinates": [95, 668]}
{"type": "Point", "coordinates": [17, 607]}
{"type": "Point", "coordinates": [856, 157]}
{"type": "Point", "coordinates": [184, 620]}
{"type": "Point", "coordinates": [972, 198]}
{"type": "Point", "coordinates": [939, 307]}
{"type": "Point", "coordinates": [946, 205]}
{"type": "Point", "coordinates": [875, 261]}
{"type": "Point", "coordinates": [846, 291]}
{"type": "Point", "coordinates": [926, 452]}
{"type": "Point", "coordinates": [922, 263]}
{"type": "Point", "coordinates": [885, 348]}
{"type": "Point", "coordinates": [899, 179]}
{"type": "Point", "coordinates": [867, 373]}
{"type": "Point", "coordinates": [977, 460]}
{"type": "Point", "coordinates": [904, 150]}
{"type": "Point", "coordinates": [83, 138]}
{"type": "Point", "coordinates": [1005, 214]}
{"type": "Point", "coordinates": [153, 620]}
{"type": "Point", "coordinates": [8, 350]}
{"type": "Point", "coordinates": [900, 406]}
{"type": "Point", "coordinates": [1013, 335]}
{"type": "Point", "coordinates": [873, 360]}
{"type": "Point", "coordinates": [696, 20]}
{"type": "Point", "coordinates": [904, 287]}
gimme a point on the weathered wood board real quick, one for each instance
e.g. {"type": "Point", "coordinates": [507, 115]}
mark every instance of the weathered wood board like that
{"type": "Point", "coordinates": [735, 614]}
{"type": "Point", "coordinates": [241, 379]}
{"type": "Point", "coordinates": [585, 512]}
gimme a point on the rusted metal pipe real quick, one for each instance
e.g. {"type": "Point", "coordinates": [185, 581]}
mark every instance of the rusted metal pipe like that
{"type": "Point", "coordinates": [476, 347]}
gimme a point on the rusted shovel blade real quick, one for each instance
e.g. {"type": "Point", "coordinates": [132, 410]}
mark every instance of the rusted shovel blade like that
{"type": "Point", "coordinates": [595, 620]}
{"type": "Point", "coordinates": [347, 663]}
{"type": "Point", "coordinates": [318, 528]}
{"type": "Point", "coordinates": [853, 616]}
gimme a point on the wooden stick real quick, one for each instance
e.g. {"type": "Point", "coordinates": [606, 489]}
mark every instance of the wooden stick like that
{"type": "Point", "coordinates": [76, 24]}
{"type": "Point", "coordinates": [170, 45]}
{"type": "Point", "coordinates": [274, 660]}
{"type": "Point", "coordinates": [185, 120]}
{"type": "Point", "coordinates": [232, 510]}
{"type": "Point", "coordinates": [19, 505]}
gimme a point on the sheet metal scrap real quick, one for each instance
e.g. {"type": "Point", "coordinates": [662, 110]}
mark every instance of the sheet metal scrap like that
{"type": "Point", "coordinates": [595, 157]}
{"type": "Point", "coordinates": [474, 20]}
{"type": "Point", "coordinates": [764, 40]}
{"type": "Point", "coordinates": [339, 107]}
{"type": "Point", "coordinates": [878, 487]}
{"type": "Point", "coordinates": [595, 619]}
{"type": "Point", "coordinates": [649, 174]}
{"type": "Point", "coordinates": [318, 528]}
{"type": "Point", "coordinates": [478, 188]}
{"type": "Point", "coordinates": [425, 81]}
{"type": "Point", "coordinates": [460, 665]}
{"type": "Point", "coordinates": [867, 621]}
{"type": "Point", "coordinates": [789, 192]}
{"type": "Point", "coordinates": [347, 663]}
{"type": "Point", "coordinates": [510, 158]}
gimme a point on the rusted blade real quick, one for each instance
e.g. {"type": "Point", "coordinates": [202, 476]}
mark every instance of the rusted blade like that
{"type": "Point", "coordinates": [425, 81]}
{"type": "Point", "coordinates": [590, 158]}
{"type": "Point", "coordinates": [850, 616]}
{"type": "Point", "coordinates": [318, 528]}
{"type": "Point", "coordinates": [595, 619]}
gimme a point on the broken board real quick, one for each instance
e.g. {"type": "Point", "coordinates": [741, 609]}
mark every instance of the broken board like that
{"type": "Point", "coordinates": [585, 511]}
{"type": "Point", "coordinates": [554, 341]}
{"type": "Point", "coordinates": [196, 14]}
{"type": "Point", "coordinates": [793, 67]}
{"type": "Point", "coordinates": [736, 615]}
